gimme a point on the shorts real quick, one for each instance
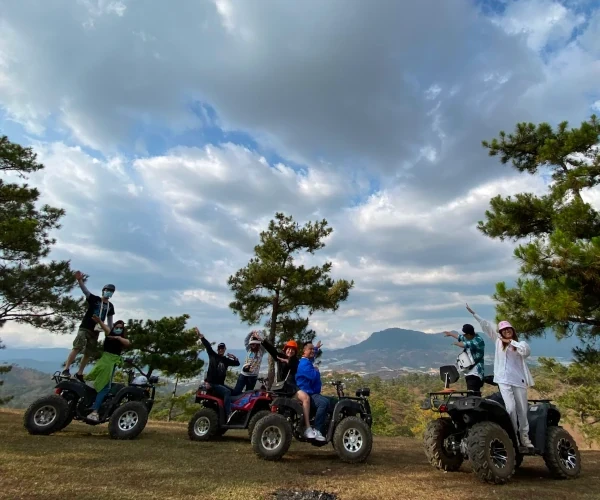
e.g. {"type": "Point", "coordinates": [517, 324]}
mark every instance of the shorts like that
{"type": "Point", "coordinates": [86, 340]}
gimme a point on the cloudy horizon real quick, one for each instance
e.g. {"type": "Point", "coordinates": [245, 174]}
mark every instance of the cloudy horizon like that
{"type": "Point", "coordinates": [172, 133]}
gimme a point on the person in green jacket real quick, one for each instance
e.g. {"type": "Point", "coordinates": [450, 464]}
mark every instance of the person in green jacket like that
{"type": "Point", "coordinates": [102, 373]}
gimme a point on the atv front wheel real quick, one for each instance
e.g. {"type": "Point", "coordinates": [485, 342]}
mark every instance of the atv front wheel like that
{"type": "Point", "coordinates": [436, 433]}
{"type": "Point", "coordinates": [562, 455]}
{"type": "Point", "coordinates": [255, 418]}
{"type": "Point", "coordinates": [491, 452]}
{"type": "Point", "coordinates": [204, 425]}
{"type": "Point", "coordinates": [46, 415]}
{"type": "Point", "coordinates": [128, 420]}
{"type": "Point", "coordinates": [272, 437]}
{"type": "Point", "coordinates": [352, 440]}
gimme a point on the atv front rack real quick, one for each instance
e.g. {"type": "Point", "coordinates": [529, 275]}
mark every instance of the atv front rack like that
{"type": "Point", "coordinates": [438, 401]}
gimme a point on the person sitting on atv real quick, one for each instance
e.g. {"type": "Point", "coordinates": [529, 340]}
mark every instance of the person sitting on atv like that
{"type": "Point", "coordinates": [308, 380]}
{"type": "Point", "coordinates": [511, 372]}
{"type": "Point", "coordinates": [287, 367]}
{"type": "Point", "coordinates": [217, 371]}
{"type": "Point", "coordinates": [254, 353]}
{"type": "Point", "coordinates": [102, 373]}
{"type": "Point", "coordinates": [86, 339]}
{"type": "Point", "coordinates": [475, 345]}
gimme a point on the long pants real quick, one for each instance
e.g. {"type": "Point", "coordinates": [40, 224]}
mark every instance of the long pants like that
{"type": "Point", "coordinates": [100, 397]}
{"type": "Point", "coordinates": [225, 393]}
{"type": "Point", "coordinates": [474, 384]}
{"type": "Point", "coordinates": [322, 405]}
{"type": "Point", "coordinates": [515, 401]}
{"type": "Point", "coordinates": [244, 383]}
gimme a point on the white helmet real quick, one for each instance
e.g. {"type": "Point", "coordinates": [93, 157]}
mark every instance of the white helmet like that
{"type": "Point", "coordinates": [140, 380]}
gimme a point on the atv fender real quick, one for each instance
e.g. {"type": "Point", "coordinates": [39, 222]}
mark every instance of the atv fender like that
{"type": "Point", "coordinates": [495, 411]}
{"type": "Point", "coordinates": [134, 393]}
{"type": "Point", "coordinates": [351, 408]}
{"type": "Point", "coordinates": [81, 390]}
{"type": "Point", "coordinates": [293, 404]}
{"type": "Point", "coordinates": [541, 416]}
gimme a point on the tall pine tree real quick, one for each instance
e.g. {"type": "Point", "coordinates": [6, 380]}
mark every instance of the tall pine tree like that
{"type": "Point", "coordinates": [33, 290]}
{"type": "Point", "coordinates": [274, 288]}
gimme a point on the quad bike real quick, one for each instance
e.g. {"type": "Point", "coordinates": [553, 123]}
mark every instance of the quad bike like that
{"type": "Point", "coordinates": [246, 409]}
{"type": "Point", "coordinates": [479, 429]}
{"type": "Point", "coordinates": [348, 426]}
{"type": "Point", "coordinates": [125, 408]}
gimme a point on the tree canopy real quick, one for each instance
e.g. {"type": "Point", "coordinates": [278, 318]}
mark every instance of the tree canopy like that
{"type": "Point", "coordinates": [166, 345]}
{"type": "Point", "coordinates": [274, 288]}
{"type": "Point", "coordinates": [33, 289]}
{"type": "Point", "coordinates": [559, 283]}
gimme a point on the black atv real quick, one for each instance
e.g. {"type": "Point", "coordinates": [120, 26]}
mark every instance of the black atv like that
{"type": "Point", "coordinates": [126, 407]}
{"type": "Point", "coordinates": [479, 429]}
{"type": "Point", "coordinates": [348, 426]}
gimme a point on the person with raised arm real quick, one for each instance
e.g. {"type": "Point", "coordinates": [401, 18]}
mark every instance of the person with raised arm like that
{"type": "Point", "coordinates": [511, 372]}
{"type": "Point", "coordinates": [86, 339]}
{"type": "Point", "coordinates": [287, 367]}
{"type": "Point", "coordinates": [218, 363]}
{"type": "Point", "coordinates": [254, 353]}
{"type": "Point", "coordinates": [475, 346]}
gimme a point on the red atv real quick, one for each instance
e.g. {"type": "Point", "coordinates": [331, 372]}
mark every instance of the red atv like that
{"type": "Point", "coordinates": [246, 409]}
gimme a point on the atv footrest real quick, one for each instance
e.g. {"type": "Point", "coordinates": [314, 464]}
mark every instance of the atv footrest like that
{"type": "Point", "coordinates": [527, 451]}
{"type": "Point", "coordinates": [234, 427]}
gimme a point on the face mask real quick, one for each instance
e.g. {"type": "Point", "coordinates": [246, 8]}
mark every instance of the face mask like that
{"type": "Point", "coordinates": [118, 331]}
{"type": "Point", "coordinates": [107, 294]}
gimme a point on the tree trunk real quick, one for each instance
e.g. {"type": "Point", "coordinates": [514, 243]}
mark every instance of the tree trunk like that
{"type": "Point", "coordinates": [173, 399]}
{"type": "Point", "coordinates": [272, 332]}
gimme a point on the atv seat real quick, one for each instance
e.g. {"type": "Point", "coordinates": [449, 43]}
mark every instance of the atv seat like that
{"type": "Point", "coordinates": [240, 396]}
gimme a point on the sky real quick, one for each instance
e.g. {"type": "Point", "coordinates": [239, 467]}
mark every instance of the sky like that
{"type": "Point", "coordinates": [172, 132]}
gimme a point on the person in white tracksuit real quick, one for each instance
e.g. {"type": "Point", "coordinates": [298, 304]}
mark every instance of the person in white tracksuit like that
{"type": "Point", "coordinates": [511, 372]}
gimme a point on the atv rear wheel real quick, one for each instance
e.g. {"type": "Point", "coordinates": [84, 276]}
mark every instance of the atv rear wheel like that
{"type": "Point", "coordinates": [491, 452]}
{"type": "Point", "coordinates": [352, 440]}
{"type": "Point", "coordinates": [46, 415]}
{"type": "Point", "coordinates": [562, 455]}
{"type": "Point", "coordinates": [272, 437]}
{"type": "Point", "coordinates": [436, 432]}
{"type": "Point", "coordinates": [128, 420]}
{"type": "Point", "coordinates": [204, 425]}
{"type": "Point", "coordinates": [255, 418]}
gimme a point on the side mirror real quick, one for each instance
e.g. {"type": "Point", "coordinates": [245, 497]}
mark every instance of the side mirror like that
{"type": "Point", "coordinates": [364, 392]}
{"type": "Point", "coordinates": [449, 375]}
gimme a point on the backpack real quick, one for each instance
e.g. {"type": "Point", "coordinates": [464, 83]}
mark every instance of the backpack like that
{"type": "Point", "coordinates": [465, 361]}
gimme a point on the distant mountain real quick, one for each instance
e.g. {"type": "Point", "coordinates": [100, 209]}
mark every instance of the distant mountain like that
{"type": "Point", "coordinates": [396, 350]}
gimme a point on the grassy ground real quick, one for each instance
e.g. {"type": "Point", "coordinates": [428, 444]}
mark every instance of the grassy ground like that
{"type": "Point", "coordinates": [83, 462]}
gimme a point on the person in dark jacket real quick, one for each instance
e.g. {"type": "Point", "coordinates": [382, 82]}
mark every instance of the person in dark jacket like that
{"type": "Point", "coordinates": [287, 366]}
{"type": "Point", "coordinates": [218, 363]}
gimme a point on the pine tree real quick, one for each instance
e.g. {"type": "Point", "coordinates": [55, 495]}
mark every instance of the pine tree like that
{"type": "Point", "coordinates": [33, 290]}
{"type": "Point", "coordinates": [559, 283]}
{"type": "Point", "coordinates": [273, 287]}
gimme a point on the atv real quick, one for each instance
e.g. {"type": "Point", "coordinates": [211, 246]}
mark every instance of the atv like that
{"type": "Point", "coordinates": [480, 429]}
{"type": "Point", "coordinates": [125, 408]}
{"type": "Point", "coordinates": [246, 409]}
{"type": "Point", "coordinates": [348, 426]}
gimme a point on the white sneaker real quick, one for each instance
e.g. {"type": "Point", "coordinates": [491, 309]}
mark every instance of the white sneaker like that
{"type": "Point", "coordinates": [310, 433]}
{"type": "Point", "coordinates": [319, 436]}
{"type": "Point", "coordinates": [526, 442]}
{"type": "Point", "coordinates": [93, 416]}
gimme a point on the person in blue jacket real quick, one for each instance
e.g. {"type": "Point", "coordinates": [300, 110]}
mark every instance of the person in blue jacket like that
{"type": "Point", "coordinates": [308, 379]}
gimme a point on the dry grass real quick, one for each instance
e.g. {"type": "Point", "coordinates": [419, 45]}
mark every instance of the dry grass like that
{"type": "Point", "coordinates": [83, 462]}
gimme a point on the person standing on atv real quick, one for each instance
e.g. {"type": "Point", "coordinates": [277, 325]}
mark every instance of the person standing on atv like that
{"type": "Point", "coordinates": [217, 371]}
{"type": "Point", "coordinates": [473, 343]}
{"type": "Point", "coordinates": [87, 335]}
{"type": "Point", "coordinates": [254, 353]}
{"type": "Point", "coordinates": [308, 380]}
{"type": "Point", "coordinates": [103, 371]}
{"type": "Point", "coordinates": [511, 373]}
{"type": "Point", "coordinates": [287, 367]}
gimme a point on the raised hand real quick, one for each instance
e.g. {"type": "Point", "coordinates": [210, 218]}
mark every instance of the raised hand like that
{"type": "Point", "coordinates": [470, 310]}
{"type": "Point", "coordinates": [448, 334]}
{"type": "Point", "coordinates": [197, 330]}
{"type": "Point", "coordinates": [78, 275]}
{"type": "Point", "coordinates": [319, 344]}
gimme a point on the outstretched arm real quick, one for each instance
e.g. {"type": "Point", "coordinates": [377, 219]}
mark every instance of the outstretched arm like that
{"type": "Point", "coordinates": [487, 327]}
{"type": "Point", "coordinates": [205, 343]}
{"type": "Point", "coordinates": [79, 278]}
{"type": "Point", "coordinates": [270, 348]}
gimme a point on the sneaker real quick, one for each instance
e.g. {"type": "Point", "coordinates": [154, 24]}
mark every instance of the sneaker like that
{"type": "Point", "coordinates": [80, 378]}
{"type": "Point", "coordinates": [319, 436]}
{"type": "Point", "coordinates": [65, 373]}
{"type": "Point", "coordinates": [310, 433]}
{"type": "Point", "coordinates": [93, 416]}
{"type": "Point", "coordinates": [526, 442]}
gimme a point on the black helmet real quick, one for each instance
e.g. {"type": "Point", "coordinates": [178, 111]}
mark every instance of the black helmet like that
{"type": "Point", "coordinates": [109, 287]}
